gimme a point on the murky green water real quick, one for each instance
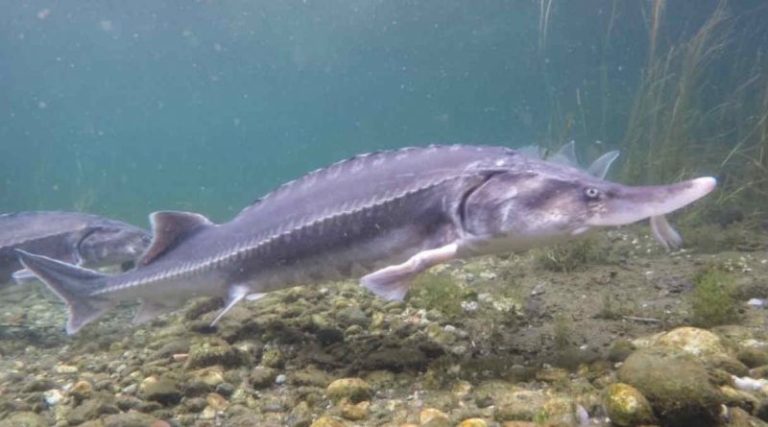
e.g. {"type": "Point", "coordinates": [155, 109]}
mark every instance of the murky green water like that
{"type": "Point", "coordinates": [123, 108]}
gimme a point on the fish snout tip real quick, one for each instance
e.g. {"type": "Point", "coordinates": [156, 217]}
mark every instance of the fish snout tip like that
{"type": "Point", "coordinates": [705, 184]}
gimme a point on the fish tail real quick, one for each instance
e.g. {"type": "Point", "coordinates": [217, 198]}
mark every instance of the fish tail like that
{"type": "Point", "coordinates": [74, 285]}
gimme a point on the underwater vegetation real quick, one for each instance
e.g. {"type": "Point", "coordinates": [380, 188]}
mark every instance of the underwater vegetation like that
{"type": "Point", "coordinates": [702, 101]}
{"type": "Point", "coordinates": [712, 301]}
{"type": "Point", "coordinates": [569, 256]}
{"type": "Point", "coordinates": [699, 103]}
{"type": "Point", "coordinates": [437, 291]}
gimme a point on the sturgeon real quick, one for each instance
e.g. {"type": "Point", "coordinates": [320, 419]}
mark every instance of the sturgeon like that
{"type": "Point", "coordinates": [73, 237]}
{"type": "Point", "coordinates": [661, 229]}
{"type": "Point", "coordinates": [382, 217]}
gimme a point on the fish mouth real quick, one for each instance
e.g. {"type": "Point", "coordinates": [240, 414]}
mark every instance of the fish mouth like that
{"type": "Point", "coordinates": [632, 204]}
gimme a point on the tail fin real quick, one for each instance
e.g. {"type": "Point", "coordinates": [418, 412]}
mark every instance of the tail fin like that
{"type": "Point", "coordinates": [74, 285]}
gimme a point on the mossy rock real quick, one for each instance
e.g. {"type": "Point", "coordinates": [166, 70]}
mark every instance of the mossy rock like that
{"type": "Point", "coordinates": [626, 406]}
{"type": "Point", "coordinates": [354, 389]}
{"type": "Point", "coordinates": [24, 419]}
{"type": "Point", "coordinates": [753, 356]}
{"type": "Point", "coordinates": [676, 384]}
{"type": "Point", "coordinates": [694, 341]}
{"type": "Point", "coordinates": [215, 351]}
{"type": "Point", "coordinates": [620, 350]}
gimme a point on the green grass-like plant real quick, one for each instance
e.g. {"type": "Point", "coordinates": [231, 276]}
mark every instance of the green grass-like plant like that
{"type": "Point", "coordinates": [713, 302]}
{"type": "Point", "coordinates": [570, 256]}
{"type": "Point", "coordinates": [437, 291]}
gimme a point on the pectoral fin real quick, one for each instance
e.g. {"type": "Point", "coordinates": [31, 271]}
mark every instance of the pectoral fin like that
{"type": "Point", "coordinates": [664, 233]}
{"type": "Point", "coordinates": [23, 276]}
{"type": "Point", "coordinates": [393, 282]}
{"type": "Point", "coordinates": [235, 295]}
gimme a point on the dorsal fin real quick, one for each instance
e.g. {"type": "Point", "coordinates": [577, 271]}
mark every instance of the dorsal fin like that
{"type": "Point", "coordinates": [599, 168]}
{"type": "Point", "coordinates": [566, 155]}
{"type": "Point", "coordinates": [168, 228]}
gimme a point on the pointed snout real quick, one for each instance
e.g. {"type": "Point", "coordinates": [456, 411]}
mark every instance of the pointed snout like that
{"type": "Point", "coordinates": [632, 204]}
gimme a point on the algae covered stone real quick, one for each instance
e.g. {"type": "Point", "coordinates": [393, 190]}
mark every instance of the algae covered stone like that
{"type": "Point", "coordinates": [355, 411]}
{"type": "Point", "coordinates": [694, 341]}
{"type": "Point", "coordinates": [473, 422]}
{"type": "Point", "coordinates": [626, 406]}
{"type": "Point", "coordinates": [354, 389]}
{"type": "Point", "coordinates": [431, 417]}
{"type": "Point", "coordinates": [676, 384]}
{"type": "Point", "coordinates": [327, 422]}
{"type": "Point", "coordinates": [162, 390]}
{"type": "Point", "coordinates": [132, 419]}
{"type": "Point", "coordinates": [215, 351]}
{"type": "Point", "coordinates": [262, 377]}
{"type": "Point", "coordinates": [24, 419]}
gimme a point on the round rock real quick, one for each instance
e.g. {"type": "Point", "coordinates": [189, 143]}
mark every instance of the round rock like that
{"type": "Point", "coordinates": [354, 389]}
{"type": "Point", "coordinates": [676, 385]}
{"type": "Point", "coordinates": [626, 406]}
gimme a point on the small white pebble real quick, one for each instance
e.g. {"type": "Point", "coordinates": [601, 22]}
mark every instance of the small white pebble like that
{"type": "Point", "coordinates": [53, 397]}
{"type": "Point", "coordinates": [469, 305]}
{"type": "Point", "coordinates": [748, 383]}
{"type": "Point", "coordinates": [281, 379]}
{"type": "Point", "coordinates": [757, 302]}
{"type": "Point", "coordinates": [582, 415]}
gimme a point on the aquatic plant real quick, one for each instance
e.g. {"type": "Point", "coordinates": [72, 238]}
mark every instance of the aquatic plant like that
{"type": "Point", "coordinates": [712, 301]}
{"type": "Point", "coordinates": [661, 136]}
{"type": "Point", "coordinates": [570, 256]}
{"type": "Point", "coordinates": [702, 102]}
{"type": "Point", "coordinates": [562, 332]}
{"type": "Point", "coordinates": [609, 310]}
{"type": "Point", "coordinates": [437, 291]}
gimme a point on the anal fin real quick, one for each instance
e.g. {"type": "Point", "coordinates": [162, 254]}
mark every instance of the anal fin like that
{"type": "Point", "coordinates": [393, 282]}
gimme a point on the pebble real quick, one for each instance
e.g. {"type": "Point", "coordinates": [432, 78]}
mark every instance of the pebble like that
{"type": "Point", "coordinates": [694, 341]}
{"type": "Point", "coordinates": [53, 397]}
{"type": "Point", "coordinates": [217, 401]}
{"type": "Point", "coordinates": [626, 406]}
{"type": "Point", "coordinates": [280, 379]}
{"type": "Point", "coordinates": [327, 422]}
{"type": "Point", "coordinates": [262, 376]}
{"type": "Point", "coordinates": [211, 376]}
{"type": "Point", "coordinates": [65, 369]}
{"type": "Point", "coordinates": [162, 390]}
{"type": "Point", "coordinates": [25, 419]}
{"type": "Point", "coordinates": [473, 422]}
{"type": "Point", "coordinates": [354, 389]}
{"type": "Point", "coordinates": [431, 417]}
{"type": "Point", "coordinates": [81, 390]}
{"type": "Point", "coordinates": [273, 358]}
{"type": "Point", "coordinates": [355, 411]}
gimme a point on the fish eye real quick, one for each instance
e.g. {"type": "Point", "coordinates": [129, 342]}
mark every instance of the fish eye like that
{"type": "Point", "coordinates": [592, 193]}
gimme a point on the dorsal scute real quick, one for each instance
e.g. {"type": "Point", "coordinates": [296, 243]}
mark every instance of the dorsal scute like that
{"type": "Point", "coordinates": [168, 229]}
{"type": "Point", "coordinates": [317, 173]}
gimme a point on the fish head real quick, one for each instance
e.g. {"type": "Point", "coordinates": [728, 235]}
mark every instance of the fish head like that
{"type": "Point", "coordinates": [110, 245]}
{"type": "Point", "coordinates": [549, 202]}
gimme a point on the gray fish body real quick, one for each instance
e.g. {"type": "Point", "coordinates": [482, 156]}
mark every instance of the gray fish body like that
{"type": "Point", "coordinates": [72, 237]}
{"type": "Point", "coordinates": [383, 217]}
{"type": "Point", "coordinates": [334, 223]}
